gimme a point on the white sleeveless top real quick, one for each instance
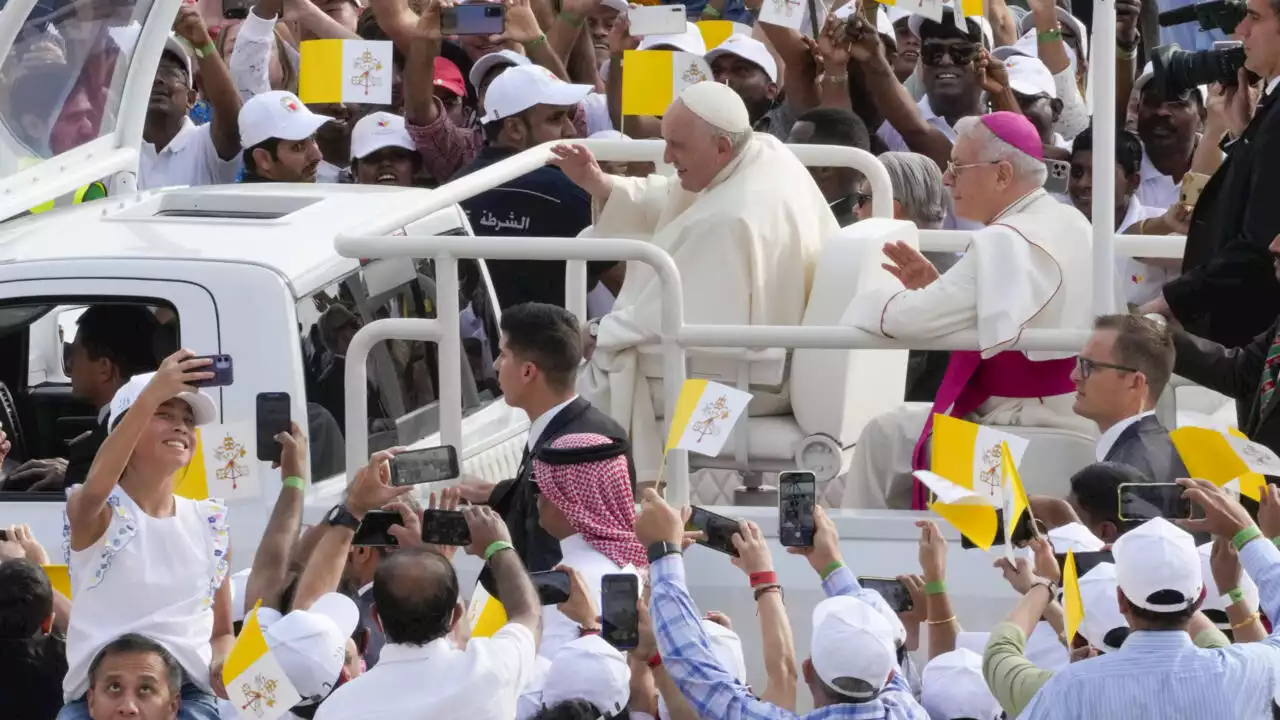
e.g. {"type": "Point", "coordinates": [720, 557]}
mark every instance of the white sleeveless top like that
{"type": "Point", "coordinates": [152, 576]}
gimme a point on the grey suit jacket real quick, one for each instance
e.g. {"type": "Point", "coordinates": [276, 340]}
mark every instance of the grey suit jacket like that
{"type": "Point", "coordinates": [1146, 447]}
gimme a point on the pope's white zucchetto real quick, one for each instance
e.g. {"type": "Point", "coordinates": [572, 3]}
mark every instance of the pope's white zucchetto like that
{"type": "Point", "coordinates": [718, 104]}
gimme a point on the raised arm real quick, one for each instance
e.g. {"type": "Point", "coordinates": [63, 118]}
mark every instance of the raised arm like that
{"type": "Point", "coordinates": [523, 27]}
{"type": "Point", "coordinates": [215, 82]}
{"type": "Point", "coordinates": [87, 511]}
{"type": "Point", "coordinates": [250, 61]}
{"type": "Point", "coordinates": [1234, 372]}
{"type": "Point", "coordinates": [271, 560]}
{"type": "Point", "coordinates": [755, 560]}
{"type": "Point", "coordinates": [942, 622]}
{"type": "Point", "coordinates": [491, 541]}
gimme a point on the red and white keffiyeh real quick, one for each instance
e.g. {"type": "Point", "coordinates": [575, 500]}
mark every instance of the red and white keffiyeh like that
{"type": "Point", "coordinates": [596, 498]}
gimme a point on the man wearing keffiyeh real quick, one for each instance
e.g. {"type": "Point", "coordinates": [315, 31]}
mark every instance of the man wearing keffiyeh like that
{"type": "Point", "coordinates": [585, 502]}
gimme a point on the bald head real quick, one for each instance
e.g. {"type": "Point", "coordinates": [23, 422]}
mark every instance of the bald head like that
{"type": "Point", "coordinates": [698, 148]}
{"type": "Point", "coordinates": [415, 591]}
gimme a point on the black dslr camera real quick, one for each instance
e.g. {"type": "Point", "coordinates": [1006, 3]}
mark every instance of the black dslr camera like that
{"type": "Point", "coordinates": [1175, 70]}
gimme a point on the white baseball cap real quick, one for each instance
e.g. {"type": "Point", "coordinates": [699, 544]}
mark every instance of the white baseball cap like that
{"type": "Point", "coordinates": [620, 5]}
{"type": "Point", "coordinates": [492, 60]}
{"type": "Point", "coordinates": [1074, 537]}
{"type": "Point", "coordinates": [852, 648]}
{"type": "Point", "coordinates": [953, 687]}
{"type": "Point", "coordinates": [1101, 611]}
{"type": "Point", "coordinates": [690, 41]}
{"type": "Point", "coordinates": [1029, 76]}
{"type": "Point", "coordinates": [311, 645]}
{"type": "Point", "coordinates": [749, 49]}
{"type": "Point", "coordinates": [1158, 559]}
{"type": "Point", "coordinates": [377, 131]}
{"type": "Point", "coordinates": [277, 114]}
{"type": "Point", "coordinates": [524, 86]}
{"type": "Point", "coordinates": [949, 18]}
{"type": "Point", "coordinates": [1213, 595]}
{"type": "Point", "coordinates": [202, 406]}
{"type": "Point", "coordinates": [589, 669]}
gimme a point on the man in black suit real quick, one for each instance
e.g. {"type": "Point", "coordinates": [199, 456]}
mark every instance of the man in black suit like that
{"type": "Point", "coordinates": [1119, 376]}
{"type": "Point", "coordinates": [540, 350]}
{"type": "Point", "coordinates": [1227, 292]}
{"type": "Point", "coordinates": [112, 344]}
{"type": "Point", "coordinates": [1246, 373]}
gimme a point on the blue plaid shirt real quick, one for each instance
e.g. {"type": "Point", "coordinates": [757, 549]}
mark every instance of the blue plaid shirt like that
{"type": "Point", "coordinates": [713, 692]}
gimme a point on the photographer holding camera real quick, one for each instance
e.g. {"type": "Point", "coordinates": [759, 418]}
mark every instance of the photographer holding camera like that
{"type": "Point", "coordinates": [1228, 291]}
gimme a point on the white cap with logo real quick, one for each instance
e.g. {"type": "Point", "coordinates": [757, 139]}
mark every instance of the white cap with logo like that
{"type": "Point", "coordinates": [311, 645]}
{"type": "Point", "coordinates": [953, 687]}
{"type": "Point", "coordinates": [749, 49]}
{"type": "Point", "coordinates": [1158, 567]}
{"type": "Point", "coordinates": [277, 114]}
{"type": "Point", "coordinates": [202, 406]}
{"type": "Point", "coordinates": [377, 131]}
{"type": "Point", "coordinates": [852, 648]}
{"type": "Point", "coordinates": [524, 86]}
{"type": "Point", "coordinates": [589, 669]}
{"type": "Point", "coordinates": [1029, 76]}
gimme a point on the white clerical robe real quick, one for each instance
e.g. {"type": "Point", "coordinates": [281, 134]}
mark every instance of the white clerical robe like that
{"type": "Point", "coordinates": [745, 247]}
{"type": "Point", "coordinates": [1030, 269]}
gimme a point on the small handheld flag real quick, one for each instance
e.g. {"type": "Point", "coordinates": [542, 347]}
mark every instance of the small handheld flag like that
{"type": "Point", "coordinates": [255, 682]}
{"type": "Point", "coordinates": [970, 455]}
{"type": "Point", "coordinates": [652, 79]}
{"type": "Point", "coordinates": [1072, 603]}
{"type": "Point", "coordinates": [345, 71]}
{"type": "Point", "coordinates": [1221, 458]}
{"type": "Point", "coordinates": [704, 417]}
{"type": "Point", "coordinates": [485, 614]}
{"type": "Point", "coordinates": [970, 513]}
{"type": "Point", "coordinates": [1015, 498]}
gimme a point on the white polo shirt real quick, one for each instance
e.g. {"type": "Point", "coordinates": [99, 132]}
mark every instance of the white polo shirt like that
{"type": "Point", "coordinates": [189, 159]}
{"type": "Point", "coordinates": [1156, 190]}
{"type": "Point", "coordinates": [437, 680]}
{"type": "Point", "coordinates": [893, 139]}
{"type": "Point", "coordinates": [557, 629]}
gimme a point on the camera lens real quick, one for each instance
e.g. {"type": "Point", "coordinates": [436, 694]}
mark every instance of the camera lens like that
{"type": "Point", "coordinates": [493, 11]}
{"type": "Point", "coordinates": [1174, 70]}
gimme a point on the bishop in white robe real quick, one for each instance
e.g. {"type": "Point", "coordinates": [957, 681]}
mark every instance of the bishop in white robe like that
{"type": "Point", "coordinates": [1030, 268]}
{"type": "Point", "coordinates": [744, 222]}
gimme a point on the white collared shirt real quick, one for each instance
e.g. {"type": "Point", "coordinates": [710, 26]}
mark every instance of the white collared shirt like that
{"type": "Point", "coordinates": [1112, 434]}
{"type": "Point", "coordinates": [540, 423]}
{"type": "Point", "coordinates": [893, 139]}
{"type": "Point", "coordinates": [190, 158]}
{"type": "Point", "coordinates": [592, 565]}
{"type": "Point", "coordinates": [1156, 190]}
{"type": "Point", "coordinates": [437, 680]}
{"type": "Point", "coordinates": [1271, 85]}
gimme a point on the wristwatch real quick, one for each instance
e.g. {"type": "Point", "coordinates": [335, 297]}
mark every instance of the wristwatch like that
{"type": "Point", "coordinates": [340, 516]}
{"type": "Point", "coordinates": [1050, 585]}
{"type": "Point", "coordinates": [659, 550]}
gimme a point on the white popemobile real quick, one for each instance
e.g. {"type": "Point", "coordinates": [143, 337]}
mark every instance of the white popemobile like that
{"type": "Point", "coordinates": [251, 271]}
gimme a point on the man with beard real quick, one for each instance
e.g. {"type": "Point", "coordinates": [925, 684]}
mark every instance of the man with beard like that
{"type": "Point", "coordinates": [382, 153]}
{"type": "Point", "coordinates": [745, 65]}
{"type": "Point", "coordinates": [1169, 128]}
{"type": "Point", "coordinates": [175, 151]}
{"type": "Point", "coordinates": [278, 133]}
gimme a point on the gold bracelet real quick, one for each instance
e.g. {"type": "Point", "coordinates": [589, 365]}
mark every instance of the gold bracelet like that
{"type": "Point", "coordinates": [941, 622]}
{"type": "Point", "coordinates": [1247, 621]}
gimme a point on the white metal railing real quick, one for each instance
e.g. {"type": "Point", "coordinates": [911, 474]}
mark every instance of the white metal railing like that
{"type": "Point", "coordinates": [1138, 246]}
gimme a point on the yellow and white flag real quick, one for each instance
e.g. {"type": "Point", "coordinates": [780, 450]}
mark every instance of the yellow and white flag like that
{"type": "Point", "coordinates": [345, 71]}
{"type": "Point", "coordinates": [255, 682]}
{"type": "Point", "coordinates": [1072, 603]}
{"type": "Point", "coordinates": [705, 415]}
{"type": "Point", "coordinates": [970, 513]}
{"type": "Point", "coordinates": [485, 615]}
{"type": "Point", "coordinates": [715, 32]}
{"type": "Point", "coordinates": [1015, 497]}
{"type": "Point", "coordinates": [652, 79]}
{"type": "Point", "coordinates": [783, 13]}
{"type": "Point", "coordinates": [59, 578]}
{"type": "Point", "coordinates": [970, 455]}
{"type": "Point", "coordinates": [1221, 458]}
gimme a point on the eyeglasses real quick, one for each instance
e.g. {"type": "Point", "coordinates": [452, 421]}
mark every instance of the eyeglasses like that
{"type": "Point", "coordinates": [1086, 366]}
{"type": "Point", "coordinates": [954, 170]}
{"type": "Point", "coordinates": [931, 53]}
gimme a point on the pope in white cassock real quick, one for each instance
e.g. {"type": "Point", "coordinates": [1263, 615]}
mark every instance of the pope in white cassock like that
{"type": "Point", "coordinates": [744, 223]}
{"type": "Point", "coordinates": [1029, 268]}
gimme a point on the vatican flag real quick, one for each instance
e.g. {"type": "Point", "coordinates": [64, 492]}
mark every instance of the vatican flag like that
{"type": "Point", "coordinates": [652, 79]}
{"type": "Point", "coordinates": [255, 682]}
{"type": "Point", "coordinates": [705, 415]}
{"type": "Point", "coordinates": [715, 32]}
{"type": "Point", "coordinates": [970, 513]}
{"type": "Point", "coordinates": [970, 455]}
{"type": "Point", "coordinates": [345, 71]}
{"type": "Point", "coordinates": [485, 615]}
{"type": "Point", "coordinates": [1221, 458]}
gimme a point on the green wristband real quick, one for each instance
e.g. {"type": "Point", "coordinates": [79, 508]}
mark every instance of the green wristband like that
{"type": "Point", "coordinates": [1049, 35]}
{"type": "Point", "coordinates": [834, 566]}
{"type": "Point", "coordinates": [937, 587]}
{"type": "Point", "coordinates": [1236, 595]}
{"type": "Point", "coordinates": [1244, 536]}
{"type": "Point", "coordinates": [540, 40]}
{"type": "Point", "coordinates": [295, 482]}
{"type": "Point", "coordinates": [495, 548]}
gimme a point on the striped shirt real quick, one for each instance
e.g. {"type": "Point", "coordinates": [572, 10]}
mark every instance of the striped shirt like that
{"type": "Point", "coordinates": [715, 693]}
{"type": "Point", "coordinates": [1161, 674]}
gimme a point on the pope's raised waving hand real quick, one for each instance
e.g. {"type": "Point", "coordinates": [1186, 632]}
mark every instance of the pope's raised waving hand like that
{"type": "Point", "coordinates": [580, 165]}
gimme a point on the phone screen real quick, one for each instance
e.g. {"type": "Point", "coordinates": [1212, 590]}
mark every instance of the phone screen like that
{"type": "Point", "coordinates": [373, 529]}
{"type": "Point", "coordinates": [891, 589]}
{"type": "Point", "coordinates": [273, 419]}
{"type": "Point", "coordinates": [552, 586]}
{"type": "Point", "coordinates": [797, 492]}
{"type": "Point", "coordinates": [1144, 501]}
{"type": "Point", "coordinates": [717, 530]}
{"type": "Point", "coordinates": [445, 527]}
{"type": "Point", "coordinates": [423, 466]}
{"type": "Point", "coordinates": [619, 619]}
{"type": "Point", "coordinates": [474, 19]}
{"type": "Point", "coordinates": [1085, 561]}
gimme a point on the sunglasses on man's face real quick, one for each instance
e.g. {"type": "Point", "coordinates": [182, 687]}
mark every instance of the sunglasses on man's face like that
{"type": "Point", "coordinates": [961, 54]}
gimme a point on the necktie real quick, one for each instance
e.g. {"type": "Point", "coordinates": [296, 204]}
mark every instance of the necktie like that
{"type": "Point", "coordinates": [1269, 372]}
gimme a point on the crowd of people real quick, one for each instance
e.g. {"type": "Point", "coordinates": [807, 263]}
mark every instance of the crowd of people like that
{"type": "Point", "coordinates": [983, 124]}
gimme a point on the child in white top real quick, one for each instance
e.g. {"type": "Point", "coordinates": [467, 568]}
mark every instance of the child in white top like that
{"type": "Point", "coordinates": [142, 560]}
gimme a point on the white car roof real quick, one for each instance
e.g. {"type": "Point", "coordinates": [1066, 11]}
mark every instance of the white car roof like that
{"type": "Point", "coordinates": [298, 244]}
